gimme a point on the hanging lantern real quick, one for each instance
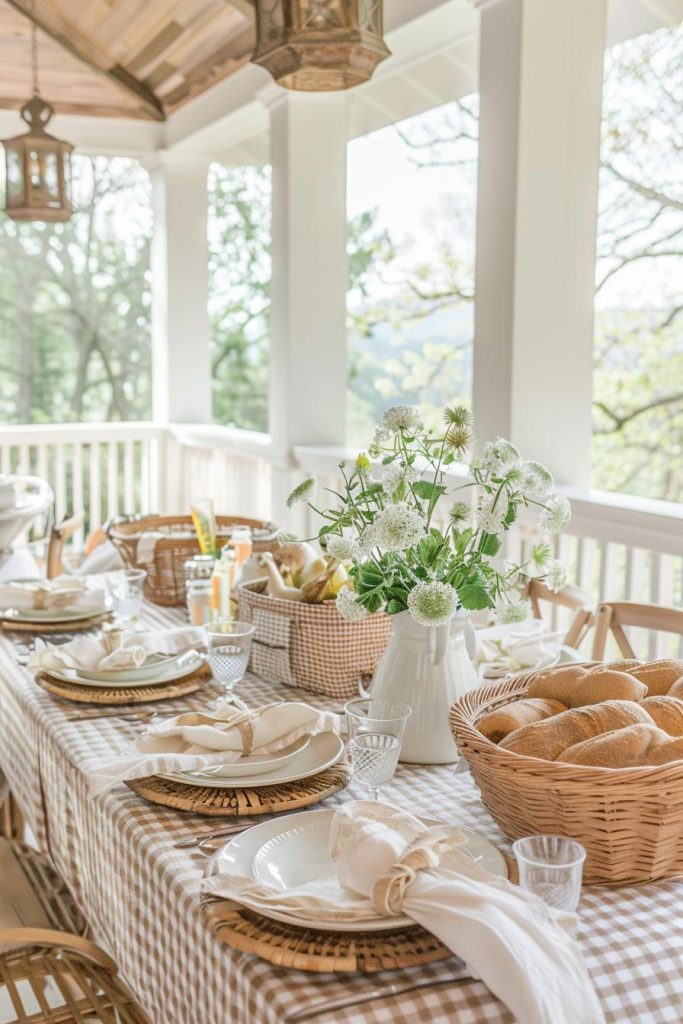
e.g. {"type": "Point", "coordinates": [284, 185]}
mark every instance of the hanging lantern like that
{"type": "Point", "coordinates": [319, 45]}
{"type": "Point", "coordinates": [38, 166]}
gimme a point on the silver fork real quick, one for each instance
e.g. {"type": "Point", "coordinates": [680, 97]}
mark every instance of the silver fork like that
{"type": "Point", "coordinates": [380, 992]}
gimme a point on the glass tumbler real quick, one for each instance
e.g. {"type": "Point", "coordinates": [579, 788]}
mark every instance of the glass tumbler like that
{"type": "Point", "coordinates": [375, 730]}
{"type": "Point", "coordinates": [126, 588]}
{"type": "Point", "coordinates": [552, 868]}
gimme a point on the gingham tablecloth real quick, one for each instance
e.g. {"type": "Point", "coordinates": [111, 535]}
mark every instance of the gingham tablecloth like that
{"type": "Point", "coordinates": [142, 896]}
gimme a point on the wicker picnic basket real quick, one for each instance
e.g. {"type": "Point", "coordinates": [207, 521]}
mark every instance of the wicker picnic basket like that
{"type": "Point", "coordinates": [162, 544]}
{"type": "Point", "coordinates": [630, 820]}
{"type": "Point", "coordinates": [311, 645]}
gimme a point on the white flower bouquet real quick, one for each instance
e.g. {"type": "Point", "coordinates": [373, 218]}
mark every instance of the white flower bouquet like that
{"type": "Point", "coordinates": [400, 560]}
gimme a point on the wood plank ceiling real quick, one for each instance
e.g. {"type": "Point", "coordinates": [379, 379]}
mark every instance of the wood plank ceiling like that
{"type": "Point", "coordinates": [122, 58]}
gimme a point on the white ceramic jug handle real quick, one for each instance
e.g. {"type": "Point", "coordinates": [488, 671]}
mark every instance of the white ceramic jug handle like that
{"type": "Point", "coordinates": [471, 644]}
{"type": "Point", "coordinates": [438, 642]}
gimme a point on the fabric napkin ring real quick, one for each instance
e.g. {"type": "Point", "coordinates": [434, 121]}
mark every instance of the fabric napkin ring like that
{"type": "Point", "coordinates": [388, 892]}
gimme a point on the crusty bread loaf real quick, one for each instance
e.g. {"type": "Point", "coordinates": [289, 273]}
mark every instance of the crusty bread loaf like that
{"type": "Point", "coordinates": [549, 738]}
{"type": "Point", "coordinates": [626, 665]}
{"type": "Point", "coordinates": [577, 686]}
{"type": "Point", "coordinates": [677, 689]}
{"type": "Point", "coordinates": [634, 746]}
{"type": "Point", "coordinates": [658, 676]}
{"type": "Point", "coordinates": [498, 724]}
{"type": "Point", "coordinates": [666, 713]}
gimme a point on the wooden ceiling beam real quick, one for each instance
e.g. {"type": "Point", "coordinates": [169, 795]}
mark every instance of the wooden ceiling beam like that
{"type": "Point", "coordinates": [68, 36]}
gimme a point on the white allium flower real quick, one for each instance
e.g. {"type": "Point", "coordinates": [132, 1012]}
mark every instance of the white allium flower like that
{"type": "Point", "coordinates": [394, 473]}
{"type": "Point", "coordinates": [536, 481]}
{"type": "Point", "coordinates": [349, 607]}
{"type": "Point", "coordinates": [302, 492]}
{"type": "Point", "coordinates": [285, 537]}
{"type": "Point", "coordinates": [490, 518]}
{"type": "Point", "coordinates": [555, 515]}
{"type": "Point", "coordinates": [512, 611]}
{"type": "Point", "coordinates": [368, 541]}
{"type": "Point", "coordinates": [540, 554]}
{"type": "Point", "coordinates": [460, 514]}
{"type": "Point", "coordinates": [344, 548]}
{"type": "Point", "coordinates": [432, 604]}
{"type": "Point", "coordinates": [498, 458]}
{"type": "Point", "coordinates": [556, 576]}
{"type": "Point", "coordinates": [401, 417]}
{"type": "Point", "coordinates": [398, 527]}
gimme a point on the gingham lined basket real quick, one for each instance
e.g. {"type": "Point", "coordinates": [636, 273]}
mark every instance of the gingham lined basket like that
{"type": "Point", "coordinates": [311, 645]}
{"type": "Point", "coordinates": [630, 820]}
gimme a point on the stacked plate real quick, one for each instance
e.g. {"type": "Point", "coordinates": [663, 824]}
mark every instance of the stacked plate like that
{"type": "Point", "coordinates": [286, 853]}
{"type": "Point", "coordinates": [306, 757]}
{"type": "Point", "coordinates": [52, 616]}
{"type": "Point", "coordinates": [156, 670]}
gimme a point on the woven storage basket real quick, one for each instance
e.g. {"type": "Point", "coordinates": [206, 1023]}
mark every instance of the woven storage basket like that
{"type": "Point", "coordinates": [311, 645]}
{"type": "Point", "coordinates": [162, 544]}
{"type": "Point", "coordinates": [630, 820]}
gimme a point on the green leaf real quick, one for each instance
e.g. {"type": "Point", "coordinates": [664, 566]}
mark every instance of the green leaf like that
{"type": "Point", "coordinates": [395, 606]}
{"type": "Point", "coordinates": [425, 489]}
{"type": "Point", "coordinates": [491, 545]}
{"type": "Point", "coordinates": [474, 597]}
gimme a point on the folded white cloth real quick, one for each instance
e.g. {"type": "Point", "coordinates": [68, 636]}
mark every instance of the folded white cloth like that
{"type": "Point", "coordinates": [504, 649]}
{"type": "Point", "coordinates": [64, 593]}
{"type": "Point", "coordinates": [116, 649]}
{"type": "Point", "coordinates": [197, 740]}
{"type": "Point", "coordinates": [388, 863]}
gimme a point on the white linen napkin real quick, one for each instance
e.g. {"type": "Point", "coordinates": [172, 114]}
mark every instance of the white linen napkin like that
{"type": "Point", "coordinates": [505, 649]}
{"type": "Point", "coordinates": [198, 740]}
{"type": "Point", "coordinates": [115, 649]}
{"type": "Point", "coordinates": [388, 863]}
{"type": "Point", "coordinates": [63, 593]}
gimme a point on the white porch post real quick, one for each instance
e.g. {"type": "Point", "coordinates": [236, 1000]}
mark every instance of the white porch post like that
{"type": "Point", "coordinates": [308, 135]}
{"type": "Point", "coordinates": [541, 85]}
{"type": "Point", "coordinates": [181, 369]}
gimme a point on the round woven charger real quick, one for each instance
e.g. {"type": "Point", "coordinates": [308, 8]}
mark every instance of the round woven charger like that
{"type": "Point", "coordinates": [306, 949]}
{"type": "Point", "coordinates": [242, 802]}
{"type": "Point", "coordinates": [120, 694]}
{"type": "Point", "coordinates": [61, 626]}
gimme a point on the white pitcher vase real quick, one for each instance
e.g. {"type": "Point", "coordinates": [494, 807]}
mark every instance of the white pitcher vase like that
{"type": "Point", "coordinates": [428, 668]}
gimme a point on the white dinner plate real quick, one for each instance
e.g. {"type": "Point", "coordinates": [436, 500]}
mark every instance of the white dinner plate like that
{"type": "Point", "coordinates": [324, 750]}
{"type": "Point", "coordinates": [150, 668]}
{"type": "Point", "coordinates": [287, 852]}
{"type": "Point", "coordinates": [52, 616]}
{"type": "Point", "coordinates": [166, 674]}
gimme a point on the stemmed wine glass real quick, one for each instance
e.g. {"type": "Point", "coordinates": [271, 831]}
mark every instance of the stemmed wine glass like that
{"type": "Point", "coordinates": [376, 729]}
{"type": "Point", "coordinates": [228, 645]}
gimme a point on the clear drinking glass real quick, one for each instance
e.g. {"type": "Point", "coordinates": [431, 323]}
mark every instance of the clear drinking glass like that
{"type": "Point", "coordinates": [375, 729]}
{"type": "Point", "coordinates": [228, 644]}
{"type": "Point", "coordinates": [126, 588]}
{"type": "Point", "coordinates": [551, 867]}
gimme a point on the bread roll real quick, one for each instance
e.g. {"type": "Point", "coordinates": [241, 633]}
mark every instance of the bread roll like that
{"type": "Point", "coordinates": [677, 689]}
{"type": "Point", "coordinates": [658, 676]}
{"type": "Point", "coordinates": [632, 747]}
{"type": "Point", "coordinates": [576, 686]}
{"type": "Point", "coordinates": [549, 738]}
{"type": "Point", "coordinates": [497, 724]}
{"type": "Point", "coordinates": [626, 665]}
{"type": "Point", "coordinates": [666, 713]}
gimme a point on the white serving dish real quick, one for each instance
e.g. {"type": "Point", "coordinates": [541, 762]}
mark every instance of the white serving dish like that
{"type": "Point", "coordinates": [166, 674]}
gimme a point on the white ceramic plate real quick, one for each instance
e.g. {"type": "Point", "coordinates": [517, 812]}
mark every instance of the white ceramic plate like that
{"type": "Point", "coordinates": [258, 764]}
{"type": "Point", "coordinates": [166, 674]}
{"type": "Point", "coordinates": [151, 667]}
{"type": "Point", "coordinates": [287, 852]}
{"type": "Point", "coordinates": [324, 750]}
{"type": "Point", "coordinates": [51, 615]}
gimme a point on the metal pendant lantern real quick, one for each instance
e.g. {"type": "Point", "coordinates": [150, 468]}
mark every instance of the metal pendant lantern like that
{"type": "Point", "coordinates": [319, 45]}
{"type": "Point", "coordinates": [38, 166]}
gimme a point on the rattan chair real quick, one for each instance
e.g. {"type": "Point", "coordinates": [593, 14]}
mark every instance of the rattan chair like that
{"type": "Point", "coordinates": [569, 597]}
{"type": "Point", "coordinates": [49, 972]}
{"type": "Point", "coordinates": [60, 534]}
{"type": "Point", "coordinates": [613, 617]}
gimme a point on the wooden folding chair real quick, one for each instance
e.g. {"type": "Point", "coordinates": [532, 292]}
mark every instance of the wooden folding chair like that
{"type": "Point", "coordinates": [614, 616]}
{"type": "Point", "coordinates": [50, 973]}
{"type": "Point", "coordinates": [569, 597]}
{"type": "Point", "coordinates": [60, 534]}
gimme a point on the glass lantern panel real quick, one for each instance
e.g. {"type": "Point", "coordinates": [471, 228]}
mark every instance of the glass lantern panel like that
{"type": "Point", "coordinates": [15, 178]}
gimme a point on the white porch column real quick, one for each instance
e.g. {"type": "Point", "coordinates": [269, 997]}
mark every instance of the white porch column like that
{"type": "Point", "coordinates": [541, 84]}
{"type": "Point", "coordinates": [180, 272]}
{"type": "Point", "coordinates": [308, 135]}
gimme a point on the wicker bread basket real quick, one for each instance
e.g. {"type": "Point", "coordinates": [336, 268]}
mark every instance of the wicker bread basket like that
{"type": "Point", "coordinates": [630, 820]}
{"type": "Point", "coordinates": [311, 645]}
{"type": "Point", "coordinates": [162, 544]}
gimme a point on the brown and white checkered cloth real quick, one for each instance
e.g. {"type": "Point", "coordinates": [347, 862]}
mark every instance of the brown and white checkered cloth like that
{"type": "Point", "coordinates": [142, 895]}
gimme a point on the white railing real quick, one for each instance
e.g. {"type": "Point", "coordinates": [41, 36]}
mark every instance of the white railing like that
{"type": "Point", "coordinates": [616, 547]}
